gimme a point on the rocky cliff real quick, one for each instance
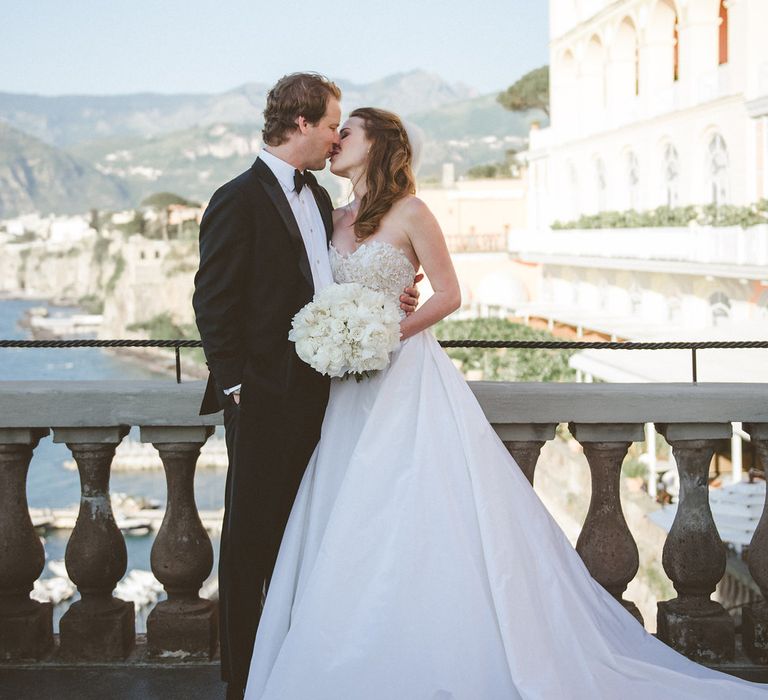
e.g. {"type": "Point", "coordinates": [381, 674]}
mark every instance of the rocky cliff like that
{"type": "Point", "coordinates": [133, 280]}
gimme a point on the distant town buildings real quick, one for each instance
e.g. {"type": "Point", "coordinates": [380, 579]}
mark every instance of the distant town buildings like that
{"type": "Point", "coordinates": [476, 217]}
{"type": "Point", "coordinates": [58, 232]}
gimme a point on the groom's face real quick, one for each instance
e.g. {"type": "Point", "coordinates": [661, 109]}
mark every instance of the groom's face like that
{"type": "Point", "coordinates": [321, 139]}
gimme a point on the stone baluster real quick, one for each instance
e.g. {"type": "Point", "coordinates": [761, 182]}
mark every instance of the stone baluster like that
{"type": "Point", "coordinates": [605, 543]}
{"type": "Point", "coordinates": [694, 555]}
{"type": "Point", "coordinates": [26, 627]}
{"type": "Point", "coordinates": [755, 615]}
{"type": "Point", "coordinates": [98, 626]}
{"type": "Point", "coordinates": [524, 442]}
{"type": "Point", "coordinates": [182, 555]}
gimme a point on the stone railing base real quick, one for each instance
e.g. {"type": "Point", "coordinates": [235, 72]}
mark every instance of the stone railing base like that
{"type": "Point", "coordinates": [138, 677]}
{"type": "Point", "coordinates": [177, 677]}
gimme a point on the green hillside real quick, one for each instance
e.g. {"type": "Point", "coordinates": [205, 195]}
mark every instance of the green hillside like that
{"type": "Point", "coordinates": [474, 118]}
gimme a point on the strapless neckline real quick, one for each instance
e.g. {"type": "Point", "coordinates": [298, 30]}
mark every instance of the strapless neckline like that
{"type": "Point", "coordinates": [347, 256]}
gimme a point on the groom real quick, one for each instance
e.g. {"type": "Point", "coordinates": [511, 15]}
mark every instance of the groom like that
{"type": "Point", "coordinates": [263, 253]}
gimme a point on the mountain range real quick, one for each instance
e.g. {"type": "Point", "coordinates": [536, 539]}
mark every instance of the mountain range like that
{"type": "Point", "coordinates": [35, 176]}
{"type": "Point", "coordinates": [72, 153]}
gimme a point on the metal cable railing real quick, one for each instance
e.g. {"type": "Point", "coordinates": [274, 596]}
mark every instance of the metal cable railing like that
{"type": "Point", "coordinates": [693, 346]}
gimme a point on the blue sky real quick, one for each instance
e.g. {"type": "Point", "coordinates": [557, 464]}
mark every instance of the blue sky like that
{"type": "Point", "coordinates": [112, 47]}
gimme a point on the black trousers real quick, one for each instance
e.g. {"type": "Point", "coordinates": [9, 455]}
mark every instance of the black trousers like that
{"type": "Point", "coordinates": [269, 443]}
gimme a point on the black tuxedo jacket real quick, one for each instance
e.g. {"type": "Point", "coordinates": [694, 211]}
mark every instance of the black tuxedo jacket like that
{"type": "Point", "coordinates": [254, 276]}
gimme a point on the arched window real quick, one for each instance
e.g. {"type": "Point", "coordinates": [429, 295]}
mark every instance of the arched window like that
{"type": "Point", "coordinates": [565, 93]}
{"type": "Point", "coordinates": [675, 306]}
{"type": "Point", "coordinates": [604, 293]}
{"type": "Point", "coordinates": [623, 79]}
{"type": "Point", "coordinates": [593, 77]}
{"type": "Point", "coordinates": [573, 189]}
{"type": "Point", "coordinates": [720, 305]}
{"type": "Point", "coordinates": [671, 175]}
{"type": "Point", "coordinates": [676, 48]}
{"type": "Point", "coordinates": [762, 305]}
{"type": "Point", "coordinates": [717, 170]}
{"type": "Point", "coordinates": [601, 183]}
{"type": "Point", "coordinates": [633, 179]}
{"type": "Point", "coordinates": [723, 33]}
{"type": "Point", "coordinates": [661, 55]}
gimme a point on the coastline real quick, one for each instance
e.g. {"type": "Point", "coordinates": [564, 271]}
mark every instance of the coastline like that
{"type": "Point", "coordinates": [160, 361]}
{"type": "Point", "coordinates": [20, 295]}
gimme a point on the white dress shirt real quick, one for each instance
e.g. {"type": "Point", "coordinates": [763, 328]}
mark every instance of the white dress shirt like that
{"type": "Point", "coordinates": [307, 214]}
{"type": "Point", "coordinates": [311, 226]}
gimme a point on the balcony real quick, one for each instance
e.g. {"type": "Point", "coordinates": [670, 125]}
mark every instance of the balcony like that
{"type": "Point", "coordinates": [97, 648]}
{"type": "Point", "coordinates": [725, 251]}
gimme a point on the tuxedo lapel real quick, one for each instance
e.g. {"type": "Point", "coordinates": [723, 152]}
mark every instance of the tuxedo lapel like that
{"type": "Point", "coordinates": [325, 212]}
{"type": "Point", "coordinates": [275, 192]}
{"type": "Point", "coordinates": [323, 204]}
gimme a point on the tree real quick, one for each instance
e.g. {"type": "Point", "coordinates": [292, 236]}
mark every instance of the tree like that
{"type": "Point", "coordinates": [486, 171]}
{"type": "Point", "coordinates": [161, 200]}
{"type": "Point", "coordinates": [508, 168]}
{"type": "Point", "coordinates": [530, 92]}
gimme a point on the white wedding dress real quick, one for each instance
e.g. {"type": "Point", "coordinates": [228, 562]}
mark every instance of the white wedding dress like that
{"type": "Point", "coordinates": [419, 564]}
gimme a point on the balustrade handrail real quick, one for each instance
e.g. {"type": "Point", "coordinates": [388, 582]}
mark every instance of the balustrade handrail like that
{"type": "Point", "coordinates": [157, 402]}
{"type": "Point", "coordinates": [177, 344]}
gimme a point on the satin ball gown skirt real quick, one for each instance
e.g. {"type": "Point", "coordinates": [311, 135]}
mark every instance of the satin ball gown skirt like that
{"type": "Point", "coordinates": [419, 564]}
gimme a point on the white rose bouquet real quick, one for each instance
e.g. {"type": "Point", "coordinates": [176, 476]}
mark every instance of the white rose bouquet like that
{"type": "Point", "coordinates": [347, 330]}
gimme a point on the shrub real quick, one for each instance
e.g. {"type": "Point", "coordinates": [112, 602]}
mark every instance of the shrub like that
{"type": "Point", "coordinates": [706, 215]}
{"type": "Point", "coordinates": [506, 364]}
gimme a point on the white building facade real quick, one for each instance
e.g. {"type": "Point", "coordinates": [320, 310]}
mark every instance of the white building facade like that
{"type": "Point", "coordinates": [653, 103]}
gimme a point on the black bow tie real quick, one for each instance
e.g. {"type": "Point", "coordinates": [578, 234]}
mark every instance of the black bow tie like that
{"type": "Point", "coordinates": [299, 180]}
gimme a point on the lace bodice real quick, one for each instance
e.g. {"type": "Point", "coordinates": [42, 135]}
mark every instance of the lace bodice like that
{"type": "Point", "coordinates": [376, 264]}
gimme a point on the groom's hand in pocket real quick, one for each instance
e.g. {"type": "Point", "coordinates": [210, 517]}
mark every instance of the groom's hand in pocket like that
{"type": "Point", "coordinates": [409, 299]}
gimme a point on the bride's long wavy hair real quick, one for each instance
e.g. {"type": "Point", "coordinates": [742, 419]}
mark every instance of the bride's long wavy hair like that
{"type": "Point", "coordinates": [389, 173]}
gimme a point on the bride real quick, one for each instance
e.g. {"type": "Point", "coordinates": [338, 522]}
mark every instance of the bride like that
{"type": "Point", "coordinates": [418, 563]}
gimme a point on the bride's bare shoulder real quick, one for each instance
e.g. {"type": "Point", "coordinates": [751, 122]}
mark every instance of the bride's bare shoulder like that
{"type": "Point", "coordinates": [414, 213]}
{"type": "Point", "coordinates": [411, 208]}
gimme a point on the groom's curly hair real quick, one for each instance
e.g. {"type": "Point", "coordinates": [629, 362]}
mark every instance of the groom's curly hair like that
{"type": "Point", "coordinates": [388, 172]}
{"type": "Point", "coordinates": [296, 95]}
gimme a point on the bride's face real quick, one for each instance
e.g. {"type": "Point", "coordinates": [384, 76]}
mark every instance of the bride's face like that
{"type": "Point", "coordinates": [352, 152]}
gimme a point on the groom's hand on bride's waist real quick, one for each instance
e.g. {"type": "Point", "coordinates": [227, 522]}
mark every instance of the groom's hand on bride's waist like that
{"type": "Point", "coordinates": [409, 299]}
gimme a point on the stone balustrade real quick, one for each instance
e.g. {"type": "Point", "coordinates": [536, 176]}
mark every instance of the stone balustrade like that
{"type": "Point", "coordinates": [477, 243]}
{"type": "Point", "coordinates": [92, 417]}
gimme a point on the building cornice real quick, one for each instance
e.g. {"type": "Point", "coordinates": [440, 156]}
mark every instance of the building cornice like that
{"type": "Point", "coordinates": [758, 107]}
{"type": "Point", "coordinates": [749, 272]}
